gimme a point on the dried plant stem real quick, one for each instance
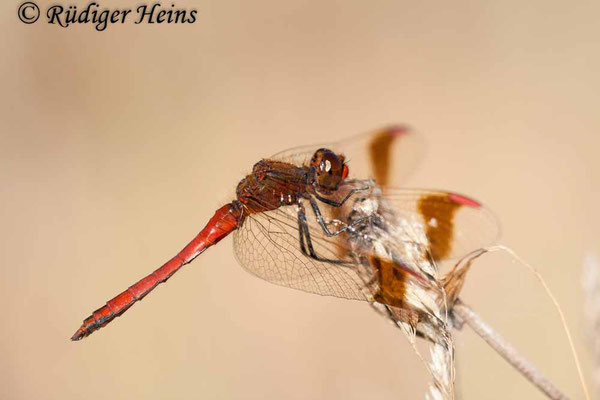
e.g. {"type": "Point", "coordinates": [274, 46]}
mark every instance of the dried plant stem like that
{"type": "Point", "coordinates": [509, 353]}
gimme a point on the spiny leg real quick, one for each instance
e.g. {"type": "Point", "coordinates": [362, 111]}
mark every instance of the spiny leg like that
{"type": "Point", "coordinates": [306, 245]}
{"type": "Point", "coordinates": [386, 312]}
{"type": "Point", "coordinates": [303, 232]}
{"type": "Point", "coordinates": [323, 224]}
{"type": "Point", "coordinates": [338, 203]}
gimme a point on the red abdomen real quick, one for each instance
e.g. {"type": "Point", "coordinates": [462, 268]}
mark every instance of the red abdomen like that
{"type": "Point", "coordinates": [225, 220]}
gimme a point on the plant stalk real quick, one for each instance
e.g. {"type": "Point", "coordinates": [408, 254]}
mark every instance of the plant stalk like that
{"type": "Point", "coordinates": [507, 351]}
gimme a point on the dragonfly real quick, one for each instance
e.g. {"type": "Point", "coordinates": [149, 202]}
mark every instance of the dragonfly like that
{"type": "Point", "coordinates": [326, 219]}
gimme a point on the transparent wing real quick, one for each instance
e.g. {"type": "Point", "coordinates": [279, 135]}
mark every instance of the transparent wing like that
{"type": "Point", "coordinates": [453, 224]}
{"type": "Point", "coordinates": [414, 227]}
{"type": "Point", "coordinates": [387, 155]}
{"type": "Point", "coordinates": [268, 246]}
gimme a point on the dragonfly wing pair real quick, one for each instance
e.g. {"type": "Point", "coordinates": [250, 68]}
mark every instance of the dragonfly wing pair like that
{"type": "Point", "coordinates": [387, 155]}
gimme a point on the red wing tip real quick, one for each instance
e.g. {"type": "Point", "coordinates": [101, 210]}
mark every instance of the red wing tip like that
{"type": "Point", "coordinates": [80, 334]}
{"type": "Point", "coordinates": [464, 200]}
{"type": "Point", "coordinates": [397, 130]}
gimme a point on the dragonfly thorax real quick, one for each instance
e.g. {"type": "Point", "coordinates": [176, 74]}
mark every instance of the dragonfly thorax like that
{"type": "Point", "coordinates": [272, 184]}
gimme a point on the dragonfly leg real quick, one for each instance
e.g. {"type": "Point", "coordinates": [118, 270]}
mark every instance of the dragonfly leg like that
{"type": "Point", "coordinates": [386, 312]}
{"type": "Point", "coordinates": [338, 203]}
{"type": "Point", "coordinates": [323, 224]}
{"type": "Point", "coordinates": [306, 245]}
{"type": "Point", "coordinates": [307, 248]}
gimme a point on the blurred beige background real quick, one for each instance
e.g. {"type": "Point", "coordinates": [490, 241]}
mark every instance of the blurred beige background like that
{"type": "Point", "coordinates": [117, 146]}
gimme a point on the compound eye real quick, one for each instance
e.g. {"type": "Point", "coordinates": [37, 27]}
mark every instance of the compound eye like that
{"type": "Point", "coordinates": [329, 169]}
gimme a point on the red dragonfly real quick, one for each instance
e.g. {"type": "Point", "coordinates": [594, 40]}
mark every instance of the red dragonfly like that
{"type": "Point", "coordinates": [298, 216]}
{"type": "Point", "coordinates": [301, 220]}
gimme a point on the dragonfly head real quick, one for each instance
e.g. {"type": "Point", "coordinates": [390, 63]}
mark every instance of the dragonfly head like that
{"type": "Point", "coordinates": [328, 170]}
